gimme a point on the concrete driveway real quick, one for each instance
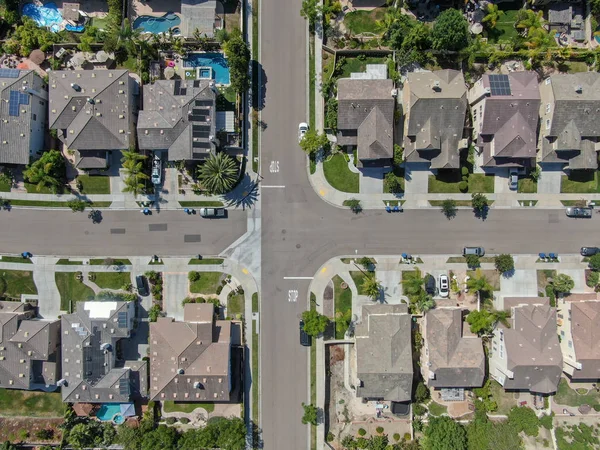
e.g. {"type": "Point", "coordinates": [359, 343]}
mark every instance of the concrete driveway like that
{"type": "Point", "coordinates": [522, 284]}
{"type": "Point", "coordinates": [549, 181]}
{"type": "Point", "coordinates": [371, 180]}
{"type": "Point", "coordinates": [416, 178]}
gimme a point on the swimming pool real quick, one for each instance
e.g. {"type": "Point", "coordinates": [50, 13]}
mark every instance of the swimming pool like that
{"type": "Point", "coordinates": [45, 16]}
{"type": "Point", "coordinates": [156, 25]}
{"type": "Point", "coordinates": [110, 412]}
{"type": "Point", "coordinates": [216, 61]}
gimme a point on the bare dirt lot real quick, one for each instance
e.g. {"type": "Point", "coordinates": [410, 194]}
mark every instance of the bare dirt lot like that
{"type": "Point", "coordinates": [20, 429]}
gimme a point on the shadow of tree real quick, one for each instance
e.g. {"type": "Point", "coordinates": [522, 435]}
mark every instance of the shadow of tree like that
{"type": "Point", "coordinates": [244, 195]}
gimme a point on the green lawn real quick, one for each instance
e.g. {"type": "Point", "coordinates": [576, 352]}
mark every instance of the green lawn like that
{"type": "Point", "coordinates": [50, 204]}
{"type": "Point", "coordinates": [200, 203]}
{"type": "Point", "coordinates": [207, 284]}
{"type": "Point", "coordinates": [446, 182]}
{"type": "Point", "coordinates": [111, 280]}
{"type": "Point", "coordinates": [18, 282]}
{"type": "Point", "coordinates": [358, 278]}
{"type": "Point", "coordinates": [32, 189]}
{"type": "Point", "coordinates": [343, 305]}
{"type": "Point", "coordinates": [570, 397]}
{"type": "Point", "coordinates": [99, 23]}
{"type": "Point", "coordinates": [458, 202]}
{"type": "Point", "coordinates": [505, 28]}
{"type": "Point", "coordinates": [255, 302]}
{"type": "Point", "coordinates": [226, 99]}
{"type": "Point", "coordinates": [71, 290]}
{"type": "Point", "coordinates": [196, 261]}
{"type": "Point", "coordinates": [115, 262]}
{"type": "Point", "coordinates": [573, 66]}
{"type": "Point", "coordinates": [130, 64]}
{"type": "Point", "coordinates": [580, 182]}
{"type": "Point", "coordinates": [235, 304]}
{"type": "Point", "coordinates": [527, 186]}
{"type": "Point", "coordinates": [68, 262]}
{"type": "Point", "coordinates": [338, 174]}
{"type": "Point", "coordinates": [170, 406]}
{"type": "Point", "coordinates": [504, 400]}
{"type": "Point", "coordinates": [31, 404]}
{"type": "Point", "coordinates": [436, 409]}
{"type": "Point", "coordinates": [95, 184]}
{"type": "Point", "coordinates": [4, 187]}
{"type": "Point", "coordinates": [352, 65]}
{"type": "Point", "coordinates": [364, 21]}
{"type": "Point", "coordinates": [16, 259]}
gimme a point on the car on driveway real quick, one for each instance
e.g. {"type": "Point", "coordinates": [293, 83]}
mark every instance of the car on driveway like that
{"type": "Point", "coordinates": [513, 180]}
{"type": "Point", "coordinates": [156, 169]}
{"type": "Point", "coordinates": [584, 213]}
{"type": "Point", "coordinates": [444, 286]}
{"type": "Point", "coordinates": [589, 251]}
{"type": "Point", "coordinates": [305, 339]}
{"type": "Point", "coordinates": [430, 284]}
{"type": "Point", "coordinates": [302, 129]}
{"type": "Point", "coordinates": [213, 213]}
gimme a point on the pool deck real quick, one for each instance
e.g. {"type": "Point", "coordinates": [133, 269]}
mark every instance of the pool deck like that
{"type": "Point", "coordinates": [93, 8]}
{"type": "Point", "coordinates": [156, 8]}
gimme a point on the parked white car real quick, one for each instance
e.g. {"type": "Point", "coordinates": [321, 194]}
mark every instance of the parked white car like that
{"type": "Point", "coordinates": [444, 286]}
{"type": "Point", "coordinates": [302, 129]}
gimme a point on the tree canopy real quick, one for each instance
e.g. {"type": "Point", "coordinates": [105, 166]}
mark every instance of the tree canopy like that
{"type": "Point", "coordinates": [450, 31]}
{"type": "Point", "coordinates": [443, 433]}
{"type": "Point", "coordinates": [47, 172]}
{"type": "Point", "coordinates": [482, 322]}
{"type": "Point", "coordinates": [238, 59]}
{"type": "Point", "coordinates": [311, 414]}
{"type": "Point", "coordinates": [314, 323]}
{"type": "Point", "coordinates": [504, 263]}
{"type": "Point", "coordinates": [594, 262]}
{"type": "Point", "coordinates": [218, 174]}
{"type": "Point", "coordinates": [563, 283]}
{"type": "Point", "coordinates": [312, 142]}
{"type": "Point", "coordinates": [524, 419]}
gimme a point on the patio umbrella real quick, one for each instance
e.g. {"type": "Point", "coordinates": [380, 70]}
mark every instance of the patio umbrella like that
{"type": "Point", "coordinates": [101, 56]}
{"type": "Point", "coordinates": [476, 28]}
{"type": "Point", "coordinates": [169, 73]}
{"type": "Point", "coordinates": [37, 57]}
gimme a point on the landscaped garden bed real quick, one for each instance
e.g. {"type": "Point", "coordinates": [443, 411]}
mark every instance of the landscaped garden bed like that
{"type": "Point", "coordinates": [206, 283]}
{"type": "Point", "coordinates": [342, 305]}
{"type": "Point", "coordinates": [448, 181]}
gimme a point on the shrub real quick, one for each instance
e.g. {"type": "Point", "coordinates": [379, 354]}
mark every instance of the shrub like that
{"type": "Point", "coordinates": [407, 436]}
{"type": "Point", "coordinates": [546, 421]}
{"type": "Point", "coordinates": [592, 279]}
{"type": "Point", "coordinates": [45, 434]}
{"type": "Point", "coordinates": [418, 409]}
{"type": "Point", "coordinates": [594, 262]}
{"type": "Point", "coordinates": [473, 261]}
{"type": "Point", "coordinates": [184, 420]}
{"type": "Point", "coordinates": [170, 420]}
{"type": "Point", "coordinates": [504, 263]}
{"type": "Point", "coordinates": [330, 437]}
{"type": "Point", "coordinates": [362, 431]}
{"type": "Point", "coordinates": [421, 392]}
{"type": "Point", "coordinates": [596, 407]}
{"type": "Point", "coordinates": [463, 186]}
{"type": "Point", "coordinates": [464, 171]}
{"type": "Point", "coordinates": [219, 289]}
{"type": "Point", "coordinates": [551, 295]}
{"type": "Point", "coordinates": [194, 276]}
{"type": "Point", "coordinates": [396, 437]}
{"type": "Point", "coordinates": [379, 430]}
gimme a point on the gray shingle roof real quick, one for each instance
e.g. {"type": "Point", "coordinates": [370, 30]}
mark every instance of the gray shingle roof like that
{"type": "Point", "coordinates": [198, 14]}
{"type": "Point", "coordinates": [91, 369]}
{"type": "Point", "coordinates": [456, 360]}
{"type": "Point", "coordinates": [384, 353]}
{"type": "Point", "coordinates": [28, 348]}
{"type": "Point", "coordinates": [102, 123]}
{"type": "Point", "coordinates": [375, 137]}
{"type": "Point", "coordinates": [435, 104]}
{"type": "Point", "coordinates": [560, 14]}
{"type": "Point", "coordinates": [585, 328]}
{"type": "Point", "coordinates": [20, 134]}
{"type": "Point", "coordinates": [179, 116]}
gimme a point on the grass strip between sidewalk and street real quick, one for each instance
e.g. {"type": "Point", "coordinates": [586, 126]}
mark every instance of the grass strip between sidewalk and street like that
{"type": "Point", "coordinates": [57, 204]}
{"type": "Point", "coordinates": [207, 261]}
{"type": "Point", "coordinates": [255, 378]}
{"type": "Point", "coordinates": [110, 262]}
{"type": "Point", "coordinates": [313, 377]}
{"type": "Point", "coordinates": [206, 203]}
{"type": "Point", "coordinates": [16, 259]}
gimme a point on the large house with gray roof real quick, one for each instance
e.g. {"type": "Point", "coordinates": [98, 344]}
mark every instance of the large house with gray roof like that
{"type": "Point", "coordinates": [29, 349]}
{"type": "Point", "coordinates": [505, 112]}
{"type": "Point", "coordinates": [570, 120]}
{"type": "Point", "coordinates": [178, 117]}
{"type": "Point", "coordinates": [23, 115]}
{"type": "Point", "coordinates": [190, 361]}
{"type": "Point", "coordinates": [384, 365]}
{"type": "Point", "coordinates": [435, 106]}
{"type": "Point", "coordinates": [365, 120]}
{"type": "Point", "coordinates": [92, 370]}
{"type": "Point", "coordinates": [527, 356]}
{"type": "Point", "coordinates": [578, 320]}
{"type": "Point", "coordinates": [92, 111]}
{"type": "Point", "coordinates": [452, 356]}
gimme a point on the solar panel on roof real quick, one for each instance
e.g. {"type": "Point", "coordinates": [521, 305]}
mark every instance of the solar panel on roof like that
{"type": "Point", "coordinates": [182, 91]}
{"type": "Point", "coordinates": [23, 98]}
{"type": "Point", "coordinates": [204, 102]}
{"type": "Point", "coordinates": [200, 134]}
{"type": "Point", "coordinates": [500, 85]}
{"type": "Point", "coordinates": [13, 104]}
{"type": "Point", "coordinates": [124, 386]}
{"type": "Point", "coordinates": [196, 83]}
{"type": "Point", "coordinates": [200, 144]}
{"type": "Point", "coordinates": [122, 320]}
{"type": "Point", "coordinates": [9, 73]}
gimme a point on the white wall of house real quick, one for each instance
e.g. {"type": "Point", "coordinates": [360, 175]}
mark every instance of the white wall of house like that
{"type": "Point", "coordinates": [499, 359]}
{"type": "Point", "coordinates": [563, 320]}
{"type": "Point", "coordinates": [477, 98]}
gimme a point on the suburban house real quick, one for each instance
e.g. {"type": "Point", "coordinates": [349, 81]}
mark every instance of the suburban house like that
{"type": "Point", "coordinates": [92, 111]}
{"type": "Point", "coordinates": [527, 356]}
{"type": "Point", "coordinates": [579, 329]}
{"type": "Point", "coordinates": [567, 20]}
{"type": "Point", "coordinates": [505, 112]}
{"type": "Point", "coordinates": [200, 16]}
{"type": "Point", "coordinates": [191, 360]}
{"type": "Point", "coordinates": [93, 370]}
{"type": "Point", "coordinates": [384, 365]}
{"type": "Point", "coordinates": [570, 111]}
{"type": "Point", "coordinates": [23, 114]}
{"type": "Point", "coordinates": [435, 106]}
{"type": "Point", "coordinates": [365, 122]}
{"type": "Point", "coordinates": [179, 117]}
{"type": "Point", "coordinates": [452, 356]}
{"type": "Point", "coordinates": [29, 349]}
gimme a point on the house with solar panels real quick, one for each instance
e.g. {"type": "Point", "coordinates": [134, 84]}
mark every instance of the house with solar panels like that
{"type": "Point", "coordinates": [178, 117]}
{"type": "Point", "coordinates": [92, 111]}
{"type": "Point", "coordinates": [93, 369]}
{"type": "Point", "coordinates": [23, 115]}
{"type": "Point", "coordinates": [505, 112]}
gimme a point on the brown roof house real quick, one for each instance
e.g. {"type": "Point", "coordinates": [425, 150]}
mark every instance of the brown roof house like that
{"type": "Point", "coordinates": [191, 360]}
{"type": "Point", "coordinates": [384, 353]}
{"type": "Point", "coordinates": [366, 105]}
{"type": "Point", "coordinates": [578, 320]}
{"type": "Point", "coordinates": [527, 356]}
{"type": "Point", "coordinates": [92, 110]}
{"type": "Point", "coordinates": [505, 112]}
{"type": "Point", "coordinates": [452, 356]}
{"type": "Point", "coordinates": [179, 117]}
{"type": "Point", "coordinates": [29, 349]}
{"type": "Point", "coordinates": [570, 120]}
{"type": "Point", "coordinates": [435, 105]}
{"type": "Point", "coordinates": [92, 371]}
{"type": "Point", "coordinates": [22, 115]}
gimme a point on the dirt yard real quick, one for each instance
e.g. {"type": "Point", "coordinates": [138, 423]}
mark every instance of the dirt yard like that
{"type": "Point", "coordinates": [26, 429]}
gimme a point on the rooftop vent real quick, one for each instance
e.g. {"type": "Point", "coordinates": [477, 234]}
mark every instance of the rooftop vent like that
{"type": "Point", "coordinates": [180, 371]}
{"type": "Point", "coordinates": [75, 87]}
{"type": "Point", "coordinates": [90, 100]}
{"type": "Point", "coordinates": [436, 86]}
{"type": "Point", "coordinates": [579, 89]}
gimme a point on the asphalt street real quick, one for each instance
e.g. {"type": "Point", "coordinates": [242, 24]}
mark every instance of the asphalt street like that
{"type": "Point", "coordinates": [120, 233]}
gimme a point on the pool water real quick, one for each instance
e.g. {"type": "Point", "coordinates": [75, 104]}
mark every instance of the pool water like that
{"type": "Point", "coordinates": [216, 61]}
{"type": "Point", "coordinates": [108, 411]}
{"type": "Point", "coordinates": [156, 25]}
{"type": "Point", "coordinates": [45, 16]}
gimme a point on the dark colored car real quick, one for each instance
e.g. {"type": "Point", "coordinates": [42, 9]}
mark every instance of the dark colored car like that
{"type": "Point", "coordinates": [430, 284]}
{"type": "Point", "coordinates": [213, 213]}
{"type": "Point", "coordinates": [584, 213]}
{"type": "Point", "coordinates": [305, 338]}
{"type": "Point", "coordinates": [589, 251]}
{"type": "Point", "coordinates": [141, 285]}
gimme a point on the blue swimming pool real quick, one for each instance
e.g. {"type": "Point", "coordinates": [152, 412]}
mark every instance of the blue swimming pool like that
{"type": "Point", "coordinates": [110, 412]}
{"type": "Point", "coordinates": [45, 16]}
{"type": "Point", "coordinates": [156, 25]}
{"type": "Point", "coordinates": [216, 61]}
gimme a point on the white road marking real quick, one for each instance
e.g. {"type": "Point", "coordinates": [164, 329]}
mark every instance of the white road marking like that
{"type": "Point", "coordinates": [274, 187]}
{"type": "Point", "coordinates": [274, 167]}
{"type": "Point", "coordinates": [298, 278]}
{"type": "Point", "coordinates": [292, 295]}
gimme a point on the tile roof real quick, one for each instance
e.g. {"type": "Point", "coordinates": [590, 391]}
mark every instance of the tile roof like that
{"type": "Point", "coordinates": [94, 107]}
{"type": "Point", "coordinates": [456, 360]}
{"type": "Point", "coordinates": [384, 353]}
{"type": "Point", "coordinates": [585, 329]}
{"type": "Point", "coordinates": [28, 348]}
{"type": "Point", "coordinates": [190, 360]}
{"type": "Point", "coordinates": [179, 116]}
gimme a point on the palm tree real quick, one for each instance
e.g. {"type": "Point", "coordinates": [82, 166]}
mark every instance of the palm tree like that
{"type": "Point", "coordinates": [538, 38]}
{"type": "Point", "coordinates": [493, 15]}
{"type": "Point", "coordinates": [371, 287]}
{"type": "Point", "coordinates": [424, 302]}
{"type": "Point", "coordinates": [529, 20]}
{"type": "Point", "coordinates": [414, 284]}
{"type": "Point", "coordinates": [479, 283]}
{"type": "Point", "coordinates": [133, 163]}
{"type": "Point", "coordinates": [218, 174]}
{"type": "Point", "coordinates": [134, 184]}
{"type": "Point", "coordinates": [390, 17]}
